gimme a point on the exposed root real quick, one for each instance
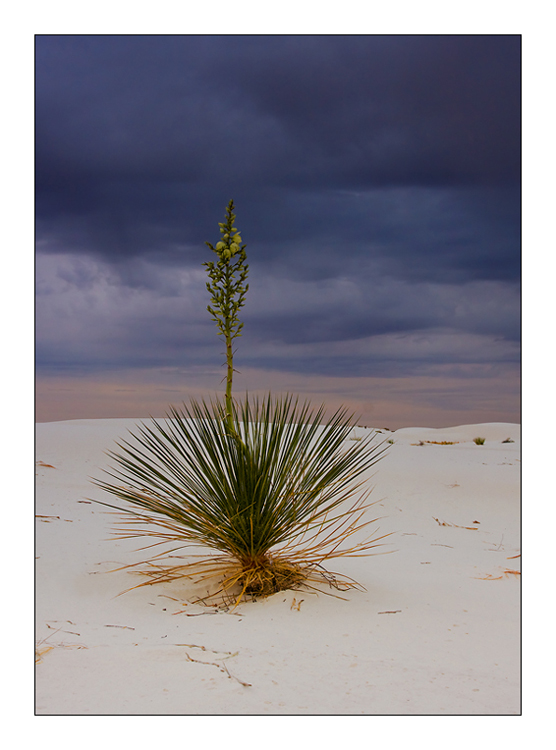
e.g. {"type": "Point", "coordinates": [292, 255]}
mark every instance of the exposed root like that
{"type": "Point", "coordinates": [507, 572]}
{"type": "Point", "coordinates": [42, 648]}
{"type": "Point", "coordinates": [455, 525]}
{"type": "Point", "coordinates": [267, 577]}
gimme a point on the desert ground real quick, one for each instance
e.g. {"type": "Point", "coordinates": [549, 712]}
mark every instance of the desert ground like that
{"type": "Point", "coordinates": [434, 630]}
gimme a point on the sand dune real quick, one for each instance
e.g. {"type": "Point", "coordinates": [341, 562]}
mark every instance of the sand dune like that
{"type": "Point", "coordinates": [437, 630]}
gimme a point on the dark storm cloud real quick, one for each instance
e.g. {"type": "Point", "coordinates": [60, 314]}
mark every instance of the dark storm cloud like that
{"type": "Point", "coordinates": [359, 110]}
{"type": "Point", "coordinates": [119, 118]}
{"type": "Point", "coordinates": [376, 181]}
{"type": "Point", "coordinates": [409, 110]}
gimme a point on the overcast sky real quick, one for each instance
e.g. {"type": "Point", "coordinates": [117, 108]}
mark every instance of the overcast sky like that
{"type": "Point", "coordinates": [377, 187]}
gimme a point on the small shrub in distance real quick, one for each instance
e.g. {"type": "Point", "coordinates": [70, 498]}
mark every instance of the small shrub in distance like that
{"type": "Point", "coordinates": [479, 441]}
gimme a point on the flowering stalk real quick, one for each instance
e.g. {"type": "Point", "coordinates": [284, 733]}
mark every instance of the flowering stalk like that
{"type": "Point", "coordinates": [228, 289]}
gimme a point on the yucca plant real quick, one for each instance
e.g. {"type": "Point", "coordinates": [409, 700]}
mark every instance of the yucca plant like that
{"type": "Point", "coordinates": [273, 505]}
{"type": "Point", "coordinates": [269, 488]}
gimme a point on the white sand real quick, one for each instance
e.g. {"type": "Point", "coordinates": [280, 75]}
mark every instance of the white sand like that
{"type": "Point", "coordinates": [437, 630]}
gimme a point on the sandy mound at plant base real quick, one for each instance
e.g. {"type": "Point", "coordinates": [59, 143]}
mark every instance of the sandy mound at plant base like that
{"type": "Point", "coordinates": [435, 632]}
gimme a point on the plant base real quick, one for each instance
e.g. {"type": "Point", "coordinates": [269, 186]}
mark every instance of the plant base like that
{"type": "Point", "coordinates": [268, 577]}
{"type": "Point", "coordinates": [228, 582]}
